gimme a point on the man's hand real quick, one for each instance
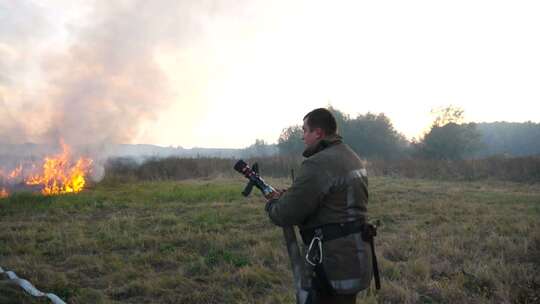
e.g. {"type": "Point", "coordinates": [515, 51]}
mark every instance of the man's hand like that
{"type": "Point", "coordinates": [276, 194]}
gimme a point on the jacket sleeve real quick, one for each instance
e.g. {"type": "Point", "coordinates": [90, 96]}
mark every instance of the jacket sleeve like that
{"type": "Point", "coordinates": [302, 199]}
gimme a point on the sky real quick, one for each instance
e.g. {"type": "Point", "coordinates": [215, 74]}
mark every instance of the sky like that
{"type": "Point", "coordinates": [224, 73]}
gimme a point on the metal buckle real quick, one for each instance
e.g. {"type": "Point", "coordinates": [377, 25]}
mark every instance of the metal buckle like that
{"type": "Point", "coordinates": [317, 258]}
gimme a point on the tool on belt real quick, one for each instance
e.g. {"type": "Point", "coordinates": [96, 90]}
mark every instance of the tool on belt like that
{"type": "Point", "coordinates": [316, 236]}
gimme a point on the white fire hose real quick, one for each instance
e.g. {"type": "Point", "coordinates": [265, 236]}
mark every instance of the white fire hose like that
{"type": "Point", "coordinates": [29, 288]}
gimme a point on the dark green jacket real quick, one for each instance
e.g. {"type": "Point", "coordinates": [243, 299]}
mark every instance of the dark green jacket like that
{"type": "Point", "coordinates": [331, 188]}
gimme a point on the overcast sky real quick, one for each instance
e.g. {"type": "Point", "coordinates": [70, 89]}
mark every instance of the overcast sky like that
{"type": "Point", "coordinates": [224, 73]}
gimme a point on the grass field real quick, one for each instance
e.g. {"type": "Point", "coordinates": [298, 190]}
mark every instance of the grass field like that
{"type": "Point", "coordinates": [200, 241]}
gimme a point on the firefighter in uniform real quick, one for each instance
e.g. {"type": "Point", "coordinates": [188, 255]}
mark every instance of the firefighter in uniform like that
{"type": "Point", "coordinates": [327, 201]}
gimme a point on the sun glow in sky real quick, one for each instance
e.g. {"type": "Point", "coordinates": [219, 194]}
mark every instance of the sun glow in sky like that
{"type": "Point", "coordinates": [248, 69]}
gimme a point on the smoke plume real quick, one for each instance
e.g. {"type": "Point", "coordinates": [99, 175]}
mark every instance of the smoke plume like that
{"type": "Point", "coordinates": [102, 83]}
{"type": "Point", "coordinates": [88, 76]}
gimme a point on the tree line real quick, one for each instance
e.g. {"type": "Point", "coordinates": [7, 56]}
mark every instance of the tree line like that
{"type": "Point", "coordinates": [373, 136]}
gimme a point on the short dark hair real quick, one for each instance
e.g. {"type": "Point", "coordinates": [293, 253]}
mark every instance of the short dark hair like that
{"type": "Point", "coordinates": [322, 118]}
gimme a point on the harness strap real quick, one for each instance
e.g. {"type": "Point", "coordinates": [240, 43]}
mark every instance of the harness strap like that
{"type": "Point", "coordinates": [376, 274]}
{"type": "Point", "coordinates": [368, 234]}
{"type": "Point", "coordinates": [322, 280]}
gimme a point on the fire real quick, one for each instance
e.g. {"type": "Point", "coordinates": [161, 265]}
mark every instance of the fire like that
{"type": "Point", "coordinates": [15, 173]}
{"type": "Point", "coordinates": [60, 175]}
{"type": "Point", "coordinates": [9, 178]}
{"type": "Point", "coordinates": [11, 175]}
{"type": "Point", "coordinates": [3, 193]}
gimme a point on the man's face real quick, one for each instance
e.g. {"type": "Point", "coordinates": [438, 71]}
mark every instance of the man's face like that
{"type": "Point", "coordinates": [311, 137]}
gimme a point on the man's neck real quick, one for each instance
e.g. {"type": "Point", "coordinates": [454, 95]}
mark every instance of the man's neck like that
{"type": "Point", "coordinates": [322, 144]}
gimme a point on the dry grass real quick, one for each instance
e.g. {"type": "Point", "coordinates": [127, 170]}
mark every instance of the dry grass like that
{"type": "Point", "coordinates": [516, 169]}
{"type": "Point", "coordinates": [201, 242]}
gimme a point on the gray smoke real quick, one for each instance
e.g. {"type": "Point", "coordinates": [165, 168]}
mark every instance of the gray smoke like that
{"type": "Point", "coordinates": [108, 83]}
{"type": "Point", "coordinates": [21, 25]}
{"type": "Point", "coordinates": [103, 84]}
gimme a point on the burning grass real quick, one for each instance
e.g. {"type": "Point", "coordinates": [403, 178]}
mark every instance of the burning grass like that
{"type": "Point", "coordinates": [58, 174]}
{"type": "Point", "coordinates": [201, 242]}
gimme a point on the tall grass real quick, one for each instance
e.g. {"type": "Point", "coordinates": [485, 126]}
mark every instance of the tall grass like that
{"type": "Point", "coordinates": [521, 169]}
{"type": "Point", "coordinates": [174, 168]}
{"type": "Point", "coordinates": [518, 169]}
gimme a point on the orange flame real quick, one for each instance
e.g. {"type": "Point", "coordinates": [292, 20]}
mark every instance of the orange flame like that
{"type": "Point", "coordinates": [11, 175]}
{"type": "Point", "coordinates": [60, 175]}
{"type": "Point", "coordinates": [3, 193]}
{"type": "Point", "coordinates": [15, 173]}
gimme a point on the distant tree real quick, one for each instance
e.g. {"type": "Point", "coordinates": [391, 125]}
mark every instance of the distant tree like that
{"type": "Point", "coordinates": [370, 135]}
{"type": "Point", "coordinates": [509, 138]}
{"type": "Point", "coordinates": [374, 136]}
{"type": "Point", "coordinates": [451, 141]}
{"type": "Point", "coordinates": [448, 114]}
{"type": "Point", "coordinates": [449, 137]}
{"type": "Point", "coordinates": [259, 149]}
{"type": "Point", "coordinates": [290, 141]}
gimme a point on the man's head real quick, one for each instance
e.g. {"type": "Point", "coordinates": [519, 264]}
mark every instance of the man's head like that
{"type": "Point", "coordinates": [318, 124]}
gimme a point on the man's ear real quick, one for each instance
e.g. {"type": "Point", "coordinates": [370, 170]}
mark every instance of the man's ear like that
{"type": "Point", "coordinates": [320, 133]}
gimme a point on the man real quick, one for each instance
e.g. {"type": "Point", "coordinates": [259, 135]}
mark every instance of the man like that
{"type": "Point", "coordinates": [327, 201]}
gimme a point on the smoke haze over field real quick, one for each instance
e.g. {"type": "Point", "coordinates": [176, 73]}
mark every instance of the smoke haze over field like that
{"type": "Point", "coordinates": [102, 85]}
{"type": "Point", "coordinates": [189, 72]}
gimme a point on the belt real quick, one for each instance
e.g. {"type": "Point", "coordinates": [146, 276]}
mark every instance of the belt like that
{"type": "Point", "coordinates": [333, 231]}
